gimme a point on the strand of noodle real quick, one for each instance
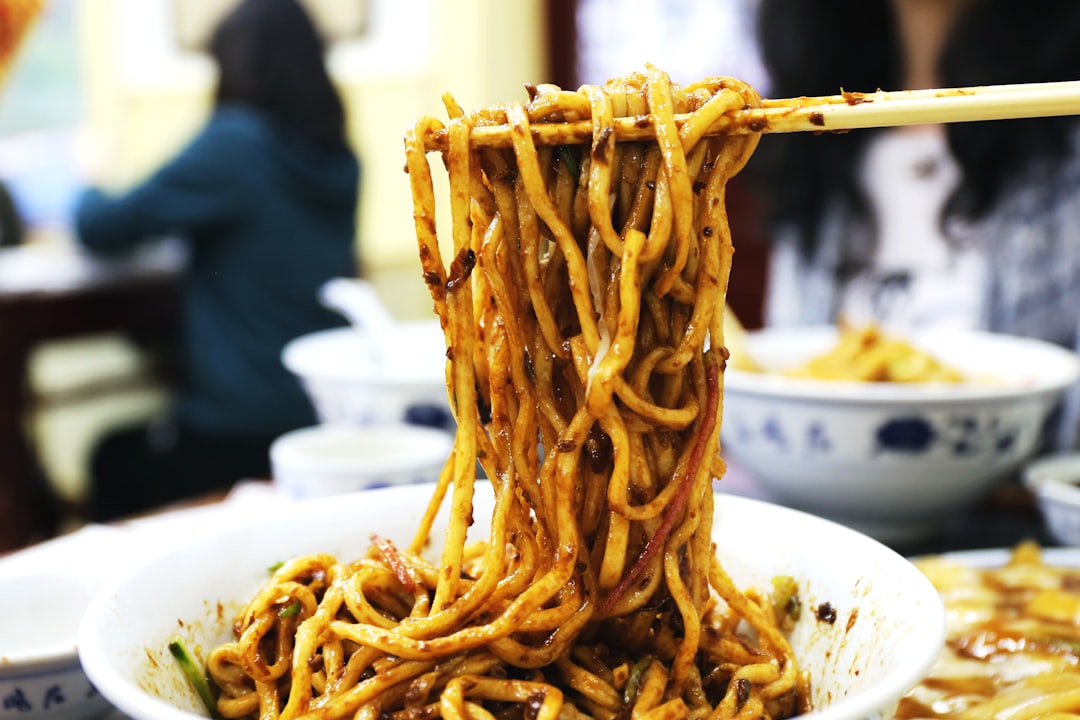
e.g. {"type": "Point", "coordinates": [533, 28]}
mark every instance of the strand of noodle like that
{"type": "Point", "coordinates": [651, 690]}
{"type": "Point", "coordinates": [553, 645]}
{"type": "Point", "coordinates": [475, 593]}
{"type": "Point", "coordinates": [674, 709]}
{"type": "Point", "coordinates": [520, 456]}
{"type": "Point", "coordinates": [701, 543]}
{"type": "Point", "coordinates": [269, 700]}
{"type": "Point", "coordinates": [241, 706]}
{"type": "Point", "coordinates": [607, 366]}
{"type": "Point", "coordinates": [565, 104]}
{"type": "Point", "coordinates": [423, 194]}
{"type": "Point", "coordinates": [544, 700]}
{"type": "Point", "coordinates": [347, 703]}
{"type": "Point", "coordinates": [307, 637]}
{"type": "Point", "coordinates": [530, 248]}
{"type": "Point", "coordinates": [602, 159]}
{"type": "Point", "coordinates": [642, 210]}
{"type": "Point", "coordinates": [358, 602]}
{"type": "Point", "coordinates": [762, 624]}
{"type": "Point", "coordinates": [715, 262]}
{"type": "Point", "coordinates": [588, 684]}
{"type": "Point", "coordinates": [679, 500]}
{"type": "Point", "coordinates": [682, 536]}
{"type": "Point", "coordinates": [662, 115]}
{"type": "Point", "coordinates": [537, 194]}
{"type": "Point", "coordinates": [460, 341]}
{"type": "Point", "coordinates": [618, 536]}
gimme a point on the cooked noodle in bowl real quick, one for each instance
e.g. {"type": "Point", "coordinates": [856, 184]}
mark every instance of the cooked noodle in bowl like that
{"type": "Point", "coordinates": [582, 304]}
{"type": "Point", "coordinates": [887, 627]}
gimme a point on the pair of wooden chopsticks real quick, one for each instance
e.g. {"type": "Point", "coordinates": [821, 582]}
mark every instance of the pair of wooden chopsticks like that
{"type": "Point", "coordinates": [845, 111]}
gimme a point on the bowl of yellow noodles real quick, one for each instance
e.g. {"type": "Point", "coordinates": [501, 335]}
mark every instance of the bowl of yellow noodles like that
{"type": "Point", "coordinates": [863, 624]}
{"type": "Point", "coordinates": [887, 432]}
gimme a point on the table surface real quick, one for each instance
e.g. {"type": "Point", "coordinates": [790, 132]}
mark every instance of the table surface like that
{"type": "Point", "coordinates": [60, 267]}
{"type": "Point", "coordinates": [55, 290]}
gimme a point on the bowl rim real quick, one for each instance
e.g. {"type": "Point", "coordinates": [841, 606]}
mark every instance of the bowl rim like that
{"type": "Point", "coordinates": [863, 393]}
{"type": "Point", "coordinates": [59, 655]}
{"type": "Point", "coordinates": [433, 447]}
{"type": "Point", "coordinates": [53, 658]}
{"type": "Point", "coordinates": [1042, 476]}
{"type": "Point", "coordinates": [295, 352]}
{"type": "Point", "coordinates": [130, 699]}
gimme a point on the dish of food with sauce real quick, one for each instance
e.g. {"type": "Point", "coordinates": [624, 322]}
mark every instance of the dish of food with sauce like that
{"type": "Point", "coordinates": [1012, 645]}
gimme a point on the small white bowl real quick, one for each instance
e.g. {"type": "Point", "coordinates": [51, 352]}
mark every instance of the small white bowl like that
{"type": "Point", "coordinates": [1054, 480]}
{"type": "Point", "coordinates": [350, 377]}
{"type": "Point", "coordinates": [40, 673]}
{"type": "Point", "coordinates": [337, 458]}
{"type": "Point", "coordinates": [891, 459]}
{"type": "Point", "coordinates": [888, 627]}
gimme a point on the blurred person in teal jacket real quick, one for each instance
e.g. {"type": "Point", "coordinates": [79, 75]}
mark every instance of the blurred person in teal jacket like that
{"type": "Point", "coordinates": [265, 197]}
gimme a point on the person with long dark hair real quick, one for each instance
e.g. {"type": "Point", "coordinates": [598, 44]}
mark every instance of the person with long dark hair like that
{"type": "Point", "coordinates": [965, 225]}
{"type": "Point", "coordinates": [265, 196]}
{"type": "Point", "coordinates": [968, 223]}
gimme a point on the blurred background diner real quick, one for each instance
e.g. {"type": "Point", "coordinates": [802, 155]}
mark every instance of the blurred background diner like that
{"type": "Point", "coordinates": [264, 199]}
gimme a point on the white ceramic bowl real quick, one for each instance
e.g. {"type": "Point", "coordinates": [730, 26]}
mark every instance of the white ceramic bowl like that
{"type": "Point", "coordinates": [889, 623]}
{"type": "Point", "coordinates": [338, 458]}
{"type": "Point", "coordinates": [1054, 480]}
{"type": "Point", "coordinates": [350, 377]}
{"type": "Point", "coordinates": [892, 460]}
{"type": "Point", "coordinates": [40, 673]}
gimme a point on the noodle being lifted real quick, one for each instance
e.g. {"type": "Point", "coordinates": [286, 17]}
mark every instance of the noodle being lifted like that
{"type": "Point", "coordinates": [584, 286]}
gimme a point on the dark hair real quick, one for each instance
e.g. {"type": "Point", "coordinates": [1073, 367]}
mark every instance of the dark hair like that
{"type": "Point", "coordinates": [817, 47]}
{"type": "Point", "coordinates": [270, 56]}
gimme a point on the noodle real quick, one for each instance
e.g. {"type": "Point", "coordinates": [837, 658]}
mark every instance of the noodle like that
{"type": "Point", "coordinates": [584, 286]}
{"type": "Point", "coordinates": [869, 354]}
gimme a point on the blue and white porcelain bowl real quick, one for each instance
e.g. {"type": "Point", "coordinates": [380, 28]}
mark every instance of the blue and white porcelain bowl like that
{"type": "Point", "coordinates": [41, 677]}
{"type": "Point", "coordinates": [1054, 481]}
{"type": "Point", "coordinates": [336, 458]}
{"type": "Point", "coordinates": [352, 376]}
{"type": "Point", "coordinates": [892, 460]}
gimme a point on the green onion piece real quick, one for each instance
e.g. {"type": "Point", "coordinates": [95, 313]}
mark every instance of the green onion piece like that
{"type": "Point", "coordinates": [194, 675]}
{"type": "Point", "coordinates": [568, 157]}
{"type": "Point", "coordinates": [631, 690]}
{"type": "Point", "coordinates": [275, 567]}
{"type": "Point", "coordinates": [290, 610]}
{"type": "Point", "coordinates": [785, 600]}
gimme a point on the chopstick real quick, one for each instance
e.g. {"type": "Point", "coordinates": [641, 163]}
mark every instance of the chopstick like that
{"type": "Point", "coordinates": [852, 111]}
{"type": "Point", "coordinates": [831, 113]}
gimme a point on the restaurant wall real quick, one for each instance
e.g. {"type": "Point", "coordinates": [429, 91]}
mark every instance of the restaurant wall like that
{"type": "Point", "coordinates": [145, 97]}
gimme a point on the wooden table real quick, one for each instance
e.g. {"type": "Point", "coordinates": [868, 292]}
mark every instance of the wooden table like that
{"type": "Point", "coordinates": [53, 292]}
